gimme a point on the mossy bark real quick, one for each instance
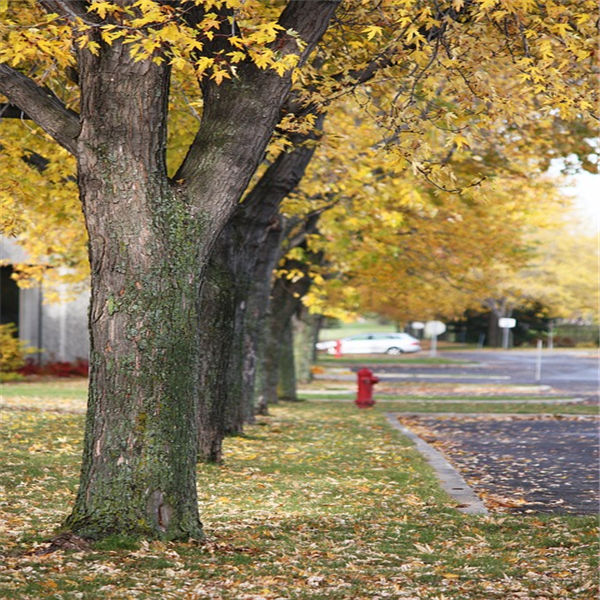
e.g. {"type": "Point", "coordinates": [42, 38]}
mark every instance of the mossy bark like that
{"type": "Point", "coordinates": [150, 241]}
{"type": "Point", "coordinates": [138, 472]}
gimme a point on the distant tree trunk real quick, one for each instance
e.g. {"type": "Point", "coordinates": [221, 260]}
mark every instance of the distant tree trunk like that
{"type": "Point", "coordinates": [284, 303]}
{"type": "Point", "coordinates": [493, 334]}
{"type": "Point", "coordinates": [306, 332]}
{"type": "Point", "coordinates": [498, 308]}
{"type": "Point", "coordinates": [286, 386]}
{"type": "Point", "coordinates": [220, 331]}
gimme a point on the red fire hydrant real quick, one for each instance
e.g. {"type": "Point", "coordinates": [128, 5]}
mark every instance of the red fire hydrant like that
{"type": "Point", "coordinates": [366, 380]}
{"type": "Point", "coordinates": [338, 348]}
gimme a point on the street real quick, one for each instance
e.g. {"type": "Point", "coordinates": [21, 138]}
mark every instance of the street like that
{"type": "Point", "coordinates": [567, 372]}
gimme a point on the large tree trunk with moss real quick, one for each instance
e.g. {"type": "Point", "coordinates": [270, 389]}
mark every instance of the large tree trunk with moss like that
{"type": "Point", "coordinates": [150, 240]}
{"type": "Point", "coordinates": [140, 441]}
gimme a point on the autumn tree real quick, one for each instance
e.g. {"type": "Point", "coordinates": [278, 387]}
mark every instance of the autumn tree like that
{"type": "Point", "coordinates": [437, 77]}
{"type": "Point", "coordinates": [560, 276]}
{"type": "Point", "coordinates": [150, 235]}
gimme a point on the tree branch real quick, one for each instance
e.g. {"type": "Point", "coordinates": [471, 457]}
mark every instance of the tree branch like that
{"type": "Point", "coordinates": [42, 106]}
{"type": "Point", "coordinates": [71, 9]}
{"type": "Point", "coordinates": [255, 98]}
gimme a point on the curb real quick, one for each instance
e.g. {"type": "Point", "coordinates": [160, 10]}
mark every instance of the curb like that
{"type": "Point", "coordinates": [450, 479]}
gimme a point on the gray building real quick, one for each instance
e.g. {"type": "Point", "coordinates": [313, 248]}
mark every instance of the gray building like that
{"type": "Point", "coordinates": [59, 329]}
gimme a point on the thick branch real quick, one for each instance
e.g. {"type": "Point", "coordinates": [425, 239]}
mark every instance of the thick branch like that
{"type": "Point", "coordinates": [71, 9]}
{"type": "Point", "coordinates": [10, 111]}
{"type": "Point", "coordinates": [42, 106]}
{"type": "Point", "coordinates": [255, 98]}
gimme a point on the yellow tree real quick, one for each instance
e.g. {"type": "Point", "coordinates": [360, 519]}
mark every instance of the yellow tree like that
{"type": "Point", "coordinates": [149, 234]}
{"type": "Point", "coordinates": [561, 276]}
{"type": "Point", "coordinates": [97, 76]}
{"type": "Point", "coordinates": [400, 244]}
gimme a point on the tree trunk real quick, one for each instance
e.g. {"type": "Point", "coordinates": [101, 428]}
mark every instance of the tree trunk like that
{"type": "Point", "coordinates": [498, 308]}
{"type": "Point", "coordinates": [306, 332]}
{"type": "Point", "coordinates": [219, 333]}
{"type": "Point", "coordinates": [286, 386]}
{"type": "Point", "coordinates": [138, 473]}
{"type": "Point", "coordinates": [285, 299]}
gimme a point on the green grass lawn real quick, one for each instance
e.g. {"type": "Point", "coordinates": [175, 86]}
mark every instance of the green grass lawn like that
{"type": "Point", "coordinates": [317, 500]}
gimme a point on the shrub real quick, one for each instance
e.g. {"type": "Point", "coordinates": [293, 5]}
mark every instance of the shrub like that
{"type": "Point", "coordinates": [78, 368]}
{"type": "Point", "coordinates": [12, 350]}
{"type": "Point", "coordinates": [564, 341]}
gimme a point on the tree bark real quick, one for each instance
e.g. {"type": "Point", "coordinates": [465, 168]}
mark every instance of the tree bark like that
{"type": "Point", "coordinates": [150, 240]}
{"type": "Point", "coordinates": [243, 259]}
{"type": "Point", "coordinates": [286, 386]}
{"type": "Point", "coordinates": [140, 443]}
{"type": "Point", "coordinates": [306, 332]}
{"type": "Point", "coordinates": [285, 298]}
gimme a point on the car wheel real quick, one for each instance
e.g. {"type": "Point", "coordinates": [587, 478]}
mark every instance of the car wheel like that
{"type": "Point", "coordinates": [393, 350]}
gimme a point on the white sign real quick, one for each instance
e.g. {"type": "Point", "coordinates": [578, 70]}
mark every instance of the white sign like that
{"type": "Point", "coordinates": [417, 325]}
{"type": "Point", "coordinates": [507, 323]}
{"type": "Point", "coordinates": [434, 328]}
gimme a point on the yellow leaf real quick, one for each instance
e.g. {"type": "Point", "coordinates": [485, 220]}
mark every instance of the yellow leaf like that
{"type": "Point", "coordinates": [372, 31]}
{"type": "Point", "coordinates": [460, 141]}
{"type": "Point", "coordinates": [219, 74]}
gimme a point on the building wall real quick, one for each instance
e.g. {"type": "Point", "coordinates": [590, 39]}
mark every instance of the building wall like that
{"type": "Point", "coordinates": [59, 329]}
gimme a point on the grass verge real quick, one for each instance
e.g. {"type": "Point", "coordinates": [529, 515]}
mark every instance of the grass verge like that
{"type": "Point", "coordinates": [317, 500]}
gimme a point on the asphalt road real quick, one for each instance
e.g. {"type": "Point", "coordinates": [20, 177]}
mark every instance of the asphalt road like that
{"type": "Point", "coordinates": [549, 464]}
{"type": "Point", "coordinates": [573, 373]}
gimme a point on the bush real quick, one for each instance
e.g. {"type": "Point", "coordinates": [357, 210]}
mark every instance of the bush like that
{"type": "Point", "coordinates": [564, 341]}
{"type": "Point", "coordinates": [10, 377]}
{"type": "Point", "coordinates": [78, 368]}
{"type": "Point", "coordinates": [12, 350]}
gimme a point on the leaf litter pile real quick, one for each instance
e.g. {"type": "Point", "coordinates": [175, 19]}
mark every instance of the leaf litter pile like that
{"type": "Point", "coordinates": [318, 500]}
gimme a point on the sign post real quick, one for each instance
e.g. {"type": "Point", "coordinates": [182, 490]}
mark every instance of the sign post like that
{"type": "Point", "coordinates": [538, 362]}
{"type": "Point", "coordinates": [506, 324]}
{"type": "Point", "coordinates": [432, 330]}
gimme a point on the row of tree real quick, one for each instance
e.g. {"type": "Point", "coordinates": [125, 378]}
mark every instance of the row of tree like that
{"type": "Point", "coordinates": [191, 121]}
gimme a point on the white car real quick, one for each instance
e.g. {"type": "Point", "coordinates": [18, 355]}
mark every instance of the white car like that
{"type": "Point", "coordinates": [373, 343]}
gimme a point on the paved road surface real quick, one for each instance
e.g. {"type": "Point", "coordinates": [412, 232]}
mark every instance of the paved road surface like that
{"type": "Point", "coordinates": [566, 371]}
{"type": "Point", "coordinates": [521, 464]}
{"type": "Point", "coordinates": [572, 373]}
